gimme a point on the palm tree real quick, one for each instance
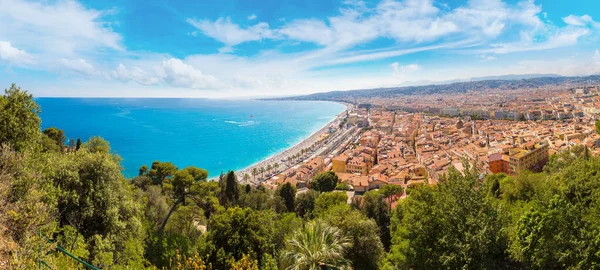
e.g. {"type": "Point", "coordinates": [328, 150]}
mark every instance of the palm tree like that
{"type": "Point", "coordinates": [246, 177]}
{"type": "Point", "coordinates": [289, 160]}
{"type": "Point", "coordinates": [262, 172]}
{"type": "Point", "coordinates": [316, 246]}
{"type": "Point", "coordinates": [276, 165]}
{"type": "Point", "coordinates": [254, 173]}
{"type": "Point", "coordinates": [269, 168]}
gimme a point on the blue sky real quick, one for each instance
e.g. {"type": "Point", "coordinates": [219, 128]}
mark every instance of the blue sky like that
{"type": "Point", "coordinates": [233, 48]}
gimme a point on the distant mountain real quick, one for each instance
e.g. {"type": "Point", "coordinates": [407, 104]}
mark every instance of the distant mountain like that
{"type": "Point", "coordinates": [487, 78]}
{"type": "Point", "coordinates": [497, 82]}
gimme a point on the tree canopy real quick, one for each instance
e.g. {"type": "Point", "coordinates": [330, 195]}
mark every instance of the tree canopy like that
{"type": "Point", "coordinates": [324, 182]}
{"type": "Point", "coordinates": [19, 119]}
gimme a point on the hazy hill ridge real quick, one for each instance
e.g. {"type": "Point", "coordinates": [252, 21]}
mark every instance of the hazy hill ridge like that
{"type": "Point", "coordinates": [458, 87]}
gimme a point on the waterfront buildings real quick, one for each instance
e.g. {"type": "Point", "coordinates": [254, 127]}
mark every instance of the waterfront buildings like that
{"type": "Point", "coordinates": [411, 141]}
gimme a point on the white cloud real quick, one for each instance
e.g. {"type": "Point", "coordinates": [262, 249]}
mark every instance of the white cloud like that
{"type": "Point", "coordinates": [404, 69]}
{"type": "Point", "coordinates": [63, 27]}
{"type": "Point", "coordinates": [308, 30]}
{"type": "Point", "coordinates": [581, 21]}
{"type": "Point", "coordinates": [14, 55]}
{"type": "Point", "coordinates": [180, 74]}
{"type": "Point", "coordinates": [486, 58]}
{"type": "Point", "coordinates": [78, 65]}
{"type": "Point", "coordinates": [136, 74]}
{"type": "Point", "coordinates": [410, 21]}
{"type": "Point", "coordinates": [232, 34]}
{"type": "Point", "coordinates": [65, 34]}
{"type": "Point", "coordinates": [563, 38]}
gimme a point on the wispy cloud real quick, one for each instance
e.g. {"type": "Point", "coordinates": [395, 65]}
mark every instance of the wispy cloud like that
{"type": "Point", "coordinates": [63, 27]}
{"type": "Point", "coordinates": [584, 20]}
{"type": "Point", "coordinates": [78, 65]}
{"type": "Point", "coordinates": [15, 56]}
{"type": "Point", "coordinates": [299, 53]}
{"type": "Point", "coordinates": [403, 69]}
{"type": "Point", "coordinates": [232, 34]}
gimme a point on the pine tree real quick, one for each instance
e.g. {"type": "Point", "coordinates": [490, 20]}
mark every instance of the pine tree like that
{"type": "Point", "coordinates": [78, 145]}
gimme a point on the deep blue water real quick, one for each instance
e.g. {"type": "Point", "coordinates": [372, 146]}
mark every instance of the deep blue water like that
{"type": "Point", "coordinates": [217, 135]}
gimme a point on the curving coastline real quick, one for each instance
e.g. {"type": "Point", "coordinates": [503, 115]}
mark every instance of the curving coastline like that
{"type": "Point", "coordinates": [291, 151]}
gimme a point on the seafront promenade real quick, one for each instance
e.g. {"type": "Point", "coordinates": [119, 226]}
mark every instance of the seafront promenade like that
{"type": "Point", "coordinates": [291, 156]}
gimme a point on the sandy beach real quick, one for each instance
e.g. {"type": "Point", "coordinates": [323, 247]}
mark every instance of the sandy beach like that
{"type": "Point", "coordinates": [290, 152]}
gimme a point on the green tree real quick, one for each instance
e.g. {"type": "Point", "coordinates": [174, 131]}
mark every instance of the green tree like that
{"type": "Point", "coordinates": [366, 250]}
{"type": "Point", "coordinates": [316, 246]}
{"type": "Point", "coordinates": [159, 171]}
{"type": "Point", "coordinates": [183, 182]}
{"type": "Point", "coordinates": [256, 198]}
{"type": "Point", "coordinates": [374, 205]}
{"type": "Point", "coordinates": [19, 119]}
{"type": "Point", "coordinates": [254, 173]}
{"type": "Point", "coordinates": [25, 209]}
{"type": "Point", "coordinates": [342, 186]}
{"type": "Point", "coordinates": [97, 145]}
{"type": "Point", "coordinates": [78, 145]}
{"type": "Point", "coordinates": [198, 174]}
{"type": "Point", "coordinates": [328, 200]}
{"type": "Point", "coordinates": [288, 193]}
{"type": "Point", "coordinates": [143, 170]}
{"type": "Point", "coordinates": [94, 198]}
{"type": "Point", "coordinates": [389, 191]}
{"type": "Point", "coordinates": [597, 124]}
{"type": "Point", "coordinates": [550, 236]}
{"type": "Point", "coordinates": [269, 263]}
{"type": "Point", "coordinates": [451, 226]}
{"type": "Point", "coordinates": [57, 135]}
{"type": "Point", "coordinates": [49, 145]}
{"type": "Point", "coordinates": [236, 231]}
{"type": "Point", "coordinates": [305, 203]}
{"type": "Point", "coordinates": [324, 182]}
{"type": "Point", "coordinates": [230, 190]}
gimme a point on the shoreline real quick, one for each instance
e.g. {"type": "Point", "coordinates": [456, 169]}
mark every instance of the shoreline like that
{"type": "Point", "coordinates": [290, 151]}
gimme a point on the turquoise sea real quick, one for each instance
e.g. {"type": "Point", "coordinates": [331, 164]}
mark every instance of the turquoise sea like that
{"type": "Point", "coordinates": [217, 135]}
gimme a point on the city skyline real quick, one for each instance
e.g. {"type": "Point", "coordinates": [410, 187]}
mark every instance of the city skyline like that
{"type": "Point", "coordinates": [243, 48]}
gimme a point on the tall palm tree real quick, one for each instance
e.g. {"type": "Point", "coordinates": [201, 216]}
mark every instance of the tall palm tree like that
{"type": "Point", "coordinates": [254, 173]}
{"type": "Point", "coordinates": [262, 172]}
{"type": "Point", "coordinates": [316, 246]}
{"type": "Point", "coordinates": [246, 177]}
{"type": "Point", "coordinates": [276, 165]}
{"type": "Point", "coordinates": [269, 168]}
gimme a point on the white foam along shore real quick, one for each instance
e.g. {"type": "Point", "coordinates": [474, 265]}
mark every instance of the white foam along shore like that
{"type": "Point", "coordinates": [283, 155]}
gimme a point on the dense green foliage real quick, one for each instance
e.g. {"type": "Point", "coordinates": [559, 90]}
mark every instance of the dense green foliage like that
{"type": "Point", "coordinates": [19, 119]}
{"type": "Point", "coordinates": [172, 218]}
{"type": "Point", "coordinates": [324, 182]}
{"type": "Point", "coordinates": [316, 246]}
{"type": "Point", "coordinates": [288, 193]}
